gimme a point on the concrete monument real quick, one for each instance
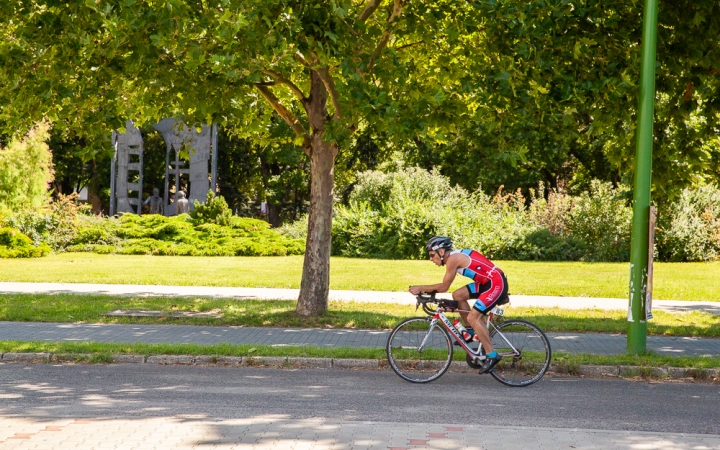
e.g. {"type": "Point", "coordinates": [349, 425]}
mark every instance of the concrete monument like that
{"type": "Point", "coordinates": [201, 146]}
{"type": "Point", "coordinates": [155, 202]}
{"type": "Point", "coordinates": [126, 171]}
{"type": "Point", "coordinates": [181, 204]}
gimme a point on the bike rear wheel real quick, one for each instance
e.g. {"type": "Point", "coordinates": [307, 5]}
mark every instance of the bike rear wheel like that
{"type": "Point", "coordinates": [532, 359]}
{"type": "Point", "coordinates": [412, 363]}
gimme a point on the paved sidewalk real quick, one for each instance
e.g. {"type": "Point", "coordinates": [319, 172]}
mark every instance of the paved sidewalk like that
{"type": "Point", "coordinates": [358, 296]}
{"type": "Point", "coordinates": [600, 344]}
{"type": "Point", "coordinates": [275, 432]}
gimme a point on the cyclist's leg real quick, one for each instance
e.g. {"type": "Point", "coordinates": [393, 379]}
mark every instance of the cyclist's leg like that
{"type": "Point", "coordinates": [475, 318]}
{"type": "Point", "coordinates": [462, 296]}
{"type": "Point", "coordinates": [467, 292]}
{"type": "Point", "coordinates": [487, 296]}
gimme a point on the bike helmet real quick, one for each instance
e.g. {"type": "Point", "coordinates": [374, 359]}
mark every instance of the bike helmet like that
{"type": "Point", "coordinates": [438, 242]}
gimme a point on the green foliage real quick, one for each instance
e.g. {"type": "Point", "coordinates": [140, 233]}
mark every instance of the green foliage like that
{"type": "Point", "coordinates": [602, 218]}
{"type": "Point", "coordinates": [249, 173]}
{"type": "Point", "coordinates": [556, 96]}
{"type": "Point", "coordinates": [214, 210]}
{"type": "Point", "coordinates": [54, 225]}
{"type": "Point", "coordinates": [392, 215]}
{"type": "Point", "coordinates": [26, 170]}
{"type": "Point", "coordinates": [159, 235]}
{"type": "Point", "coordinates": [689, 228]}
{"type": "Point", "coordinates": [14, 244]}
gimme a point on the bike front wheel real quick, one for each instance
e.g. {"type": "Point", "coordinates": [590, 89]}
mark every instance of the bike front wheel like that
{"type": "Point", "coordinates": [525, 350]}
{"type": "Point", "coordinates": [410, 358]}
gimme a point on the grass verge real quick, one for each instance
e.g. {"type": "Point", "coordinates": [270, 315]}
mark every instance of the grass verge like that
{"type": "Point", "coordinates": [671, 281]}
{"type": "Point", "coordinates": [100, 352]}
{"type": "Point", "coordinates": [72, 308]}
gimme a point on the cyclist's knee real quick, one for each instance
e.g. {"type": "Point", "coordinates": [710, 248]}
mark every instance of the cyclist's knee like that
{"type": "Point", "coordinates": [461, 295]}
{"type": "Point", "coordinates": [475, 315]}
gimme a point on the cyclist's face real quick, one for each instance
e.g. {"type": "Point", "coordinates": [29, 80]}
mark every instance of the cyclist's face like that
{"type": "Point", "coordinates": [435, 257]}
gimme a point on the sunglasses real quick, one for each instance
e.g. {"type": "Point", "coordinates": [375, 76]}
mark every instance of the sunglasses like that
{"type": "Point", "coordinates": [432, 254]}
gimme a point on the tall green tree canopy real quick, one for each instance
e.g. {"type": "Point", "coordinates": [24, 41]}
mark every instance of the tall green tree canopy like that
{"type": "Point", "coordinates": [328, 68]}
{"type": "Point", "coordinates": [560, 88]}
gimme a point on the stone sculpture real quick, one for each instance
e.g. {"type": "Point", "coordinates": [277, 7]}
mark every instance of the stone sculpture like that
{"type": "Point", "coordinates": [182, 205]}
{"type": "Point", "coordinates": [155, 202]}
{"type": "Point", "coordinates": [126, 169]}
{"type": "Point", "coordinates": [200, 145]}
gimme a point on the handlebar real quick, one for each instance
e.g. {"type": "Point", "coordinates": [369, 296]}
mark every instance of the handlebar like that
{"type": "Point", "coordinates": [429, 297]}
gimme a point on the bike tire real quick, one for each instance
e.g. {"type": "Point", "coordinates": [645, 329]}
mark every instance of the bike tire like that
{"type": "Point", "coordinates": [535, 353]}
{"type": "Point", "coordinates": [419, 366]}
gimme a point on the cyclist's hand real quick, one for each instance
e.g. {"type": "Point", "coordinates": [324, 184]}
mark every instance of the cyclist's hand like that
{"type": "Point", "coordinates": [415, 290]}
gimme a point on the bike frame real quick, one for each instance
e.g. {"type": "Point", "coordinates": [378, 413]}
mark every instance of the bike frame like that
{"type": "Point", "coordinates": [441, 318]}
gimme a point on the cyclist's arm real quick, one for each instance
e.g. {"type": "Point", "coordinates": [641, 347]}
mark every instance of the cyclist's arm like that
{"type": "Point", "coordinates": [444, 286]}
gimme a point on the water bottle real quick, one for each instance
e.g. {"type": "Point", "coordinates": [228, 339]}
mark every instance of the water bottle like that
{"type": "Point", "coordinates": [463, 331]}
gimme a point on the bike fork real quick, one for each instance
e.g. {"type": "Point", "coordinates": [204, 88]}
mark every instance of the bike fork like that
{"type": "Point", "coordinates": [433, 324]}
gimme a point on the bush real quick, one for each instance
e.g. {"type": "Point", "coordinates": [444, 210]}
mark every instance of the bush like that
{"type": "Point", "coordinates": [181, 236]}
{"type": "Point", "coordinates": [214, 210]}
{"type": "Point", "coordinates": [689, 228]}
{"type": "Point", "coordinates": [55, 224]}
{"type": "Point", "coordinates": [14, 244]}
{"type": "Point", "coordinates": [392, 216]}
{"type": "Point", "coordinates": [601, 219]}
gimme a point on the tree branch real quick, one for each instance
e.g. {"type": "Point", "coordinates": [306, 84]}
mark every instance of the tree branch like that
{"type": "Point", "coordinates": [409, 45]}
{"type": "Point", "coordinates": [329, 83]}
{"type": "Point", "coordinates": [302, 60]}
{"type": "Point", "coordinates": [282, 80]}
{"type": "Point", "coordinates": [397, 9]}
{"type": "Point", "coordinates": [287, 116]}
{"type": "Point", "coordinates": [368, 10]}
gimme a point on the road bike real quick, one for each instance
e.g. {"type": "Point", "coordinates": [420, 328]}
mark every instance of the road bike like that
{"type": "Point", "coordinates": [420, 349]}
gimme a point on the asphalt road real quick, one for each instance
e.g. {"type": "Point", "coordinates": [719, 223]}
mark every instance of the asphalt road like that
{"type": "Point", "coordinates": [52, 391]}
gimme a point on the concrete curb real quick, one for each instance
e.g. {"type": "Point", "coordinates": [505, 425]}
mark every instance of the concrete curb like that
{"type": "Point", "coordinates": [654, 373]}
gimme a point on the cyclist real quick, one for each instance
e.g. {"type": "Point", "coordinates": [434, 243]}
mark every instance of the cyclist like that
{"type": "Point", "coordinates": [489, 286]}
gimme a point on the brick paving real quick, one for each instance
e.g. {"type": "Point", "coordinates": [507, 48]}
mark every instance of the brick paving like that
{"type": "Point", "coordinates": [273, 432]}
{"type": "Point", "coordinates": [594, 343]}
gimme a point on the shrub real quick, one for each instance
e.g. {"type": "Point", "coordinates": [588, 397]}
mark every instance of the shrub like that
{"type": "Point", "coordinates": [55, 224]}
{"type": "Point", "coordinates": [689, 228]}
{"type": "Point", "coordinates": [601, 219]}
{"type": "Point", "coordinates": [14, 244]}
{"type": "Point", "coordinates": [214, 210]}
{"type": "Point", "coordinates": [392, 215]}
{"type": "Point", "coordinates": [180, 236]}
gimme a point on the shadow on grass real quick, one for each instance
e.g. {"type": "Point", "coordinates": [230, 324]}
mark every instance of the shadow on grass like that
{"type": "Point", "coordinates": [66, 308]}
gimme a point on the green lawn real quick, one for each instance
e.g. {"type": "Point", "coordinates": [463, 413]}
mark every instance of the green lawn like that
{"type": "Point", "coordinates": [673, 281]}
{"type": "Point", "coordinates": [258, 313]}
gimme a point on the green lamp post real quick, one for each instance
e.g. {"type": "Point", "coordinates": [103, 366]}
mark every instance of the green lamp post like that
{"type": "Point", "coordinates": [637, 326]}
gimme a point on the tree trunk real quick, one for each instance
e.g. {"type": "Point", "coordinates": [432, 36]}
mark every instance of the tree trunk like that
{"type": "Point", "coordinates": [315, 283]}
{"type": "Point", "coordinates": [273, 215]}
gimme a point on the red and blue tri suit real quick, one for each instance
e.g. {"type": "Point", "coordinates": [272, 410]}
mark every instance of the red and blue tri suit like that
{"type": "Point", "coordinates": [489, 283]}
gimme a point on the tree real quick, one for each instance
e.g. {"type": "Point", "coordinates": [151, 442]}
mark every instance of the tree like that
{"type": "Point", "coordinates": [567, 72]}
{"type": "Point", "coordinates": [327, 68]}
{"type": "Point", "coordinates": [26, 170]}
{"type": "Point", "coordinates": [274, 172]}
